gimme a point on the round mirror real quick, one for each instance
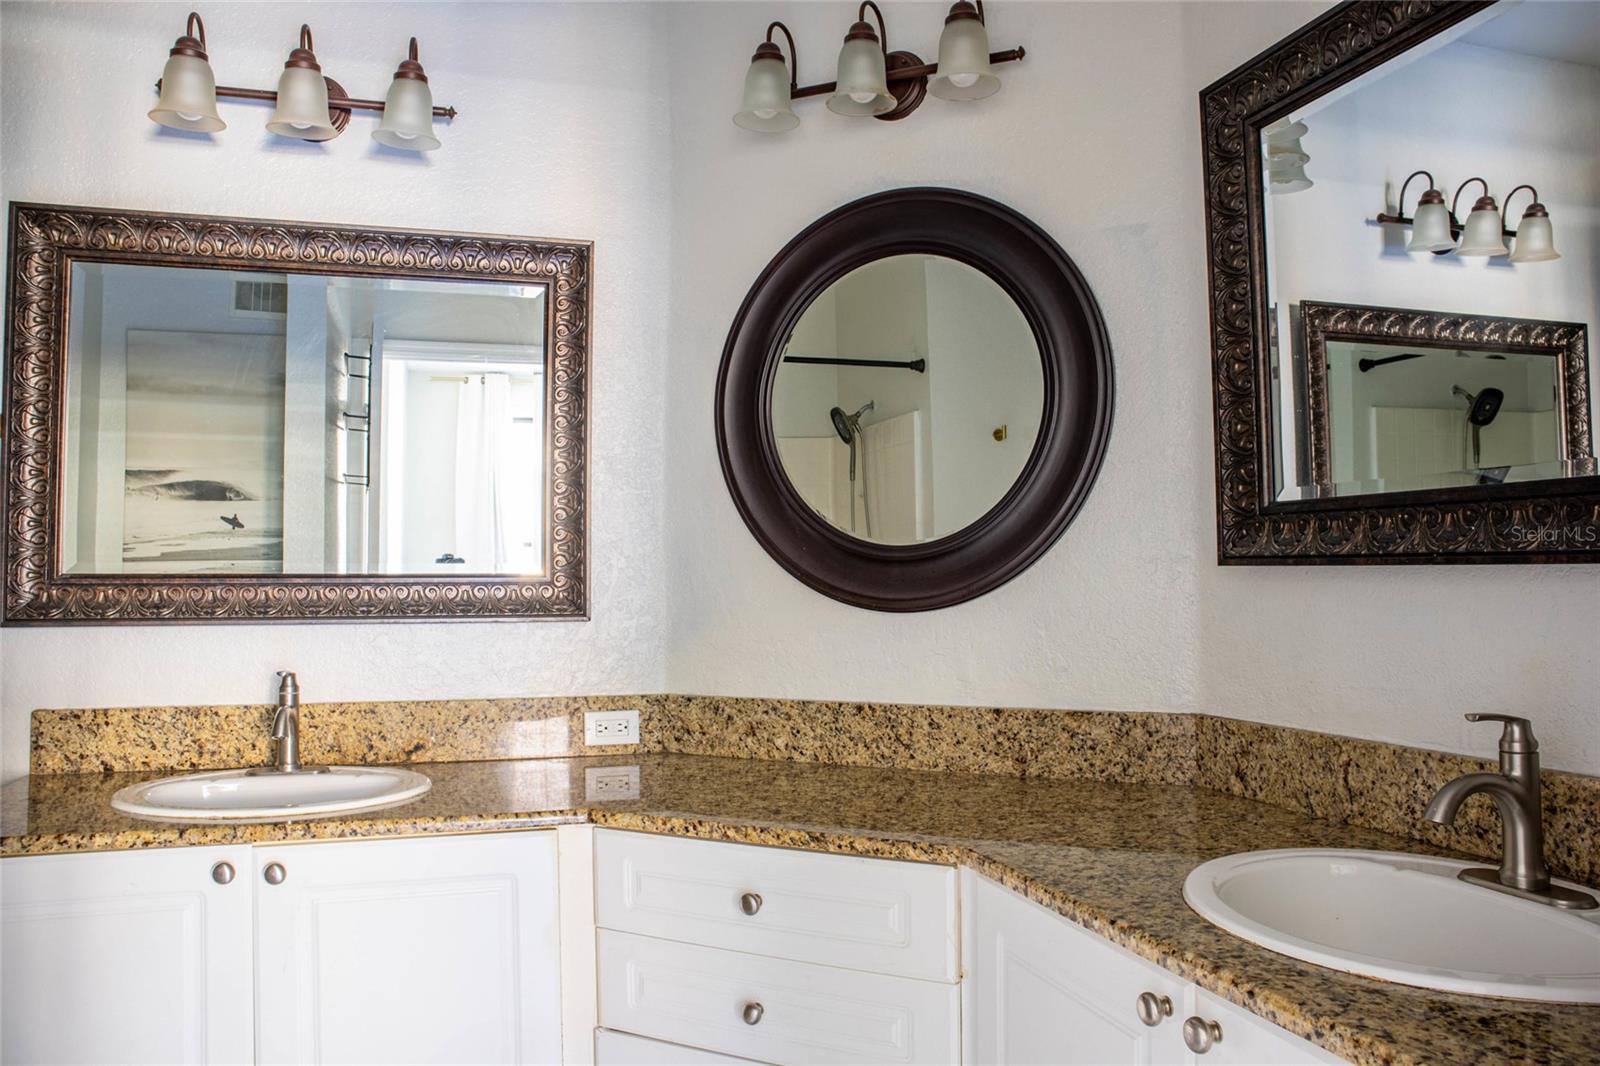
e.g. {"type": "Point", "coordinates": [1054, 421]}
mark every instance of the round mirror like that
{"type": "Point", "coordinates": [914, 399]}
{"type": "Point", "coordinates": [908, 399]}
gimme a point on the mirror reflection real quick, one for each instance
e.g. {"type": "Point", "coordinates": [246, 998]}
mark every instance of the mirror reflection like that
{"type": "Point", "coordinates": [1458, 179]}
{"type": "Point", "coordinates": [908, 399]}
{"type": "Point", "coordinates": [222, 422]}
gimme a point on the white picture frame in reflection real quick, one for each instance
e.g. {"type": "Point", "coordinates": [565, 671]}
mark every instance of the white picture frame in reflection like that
{"type": "Point", "coordinates": [203, 453]}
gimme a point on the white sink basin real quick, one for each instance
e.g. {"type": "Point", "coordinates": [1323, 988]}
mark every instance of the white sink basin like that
{"type": "Point", "coordinates": [1402, 918]}
{"type": "Point", "coordinates": [240, 796]}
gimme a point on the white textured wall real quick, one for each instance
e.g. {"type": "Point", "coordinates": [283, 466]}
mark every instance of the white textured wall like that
{"type": "Point", "coordinates": [1095, 136]}
{"type": "Point", "coordinates": [550, 142]}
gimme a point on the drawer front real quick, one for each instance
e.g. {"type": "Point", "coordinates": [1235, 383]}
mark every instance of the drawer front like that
{"type": "Point", "coordinates": [798, 1012]}
{"type": "Point", "coordinates": [1248, 1040]}
{"type": "Point", "coordinates": [623, 1049]}
{"type": "Point", "coordinates": [878, 915]}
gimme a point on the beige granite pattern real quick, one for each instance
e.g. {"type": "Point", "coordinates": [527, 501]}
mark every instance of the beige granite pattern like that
{"type": "Point", "coordinates": [1365, 783]}
{"type": "Point", "coordinates": [1109, 855]}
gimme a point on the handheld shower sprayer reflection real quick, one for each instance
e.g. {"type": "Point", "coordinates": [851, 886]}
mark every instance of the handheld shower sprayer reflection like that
{"type": "Point", "coordinates": [849, 429]}
{"type": "Point", "coordinates": [1481, 409]}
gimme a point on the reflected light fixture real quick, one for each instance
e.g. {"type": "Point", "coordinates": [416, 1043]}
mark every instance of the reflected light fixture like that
{"type": "Point", "coordinates": [964, 56]}
{"type": "Point", "coordinates": [188, 88]}
{"type": "Point", "coordinates": [769, 87]}
{"type": "Point", "coordinates": [871, 81]}
{"type": "Point", "coordinates": [1535, 241]}
{"type": "Point", "coordinates": [307, 105]}
{"type": "Point", "coordinates": [862, 84]}
{"type": "Point", "coordinates": [302, 107]}
{"type": "Point", "coordinates": [1482, 235]}
{"type": "Point", "coordinates": [1435, 229]}
{"type": "Point", "coordinates": [1286, 159]}
{"type": "Point", "coordinates": [408, 109]}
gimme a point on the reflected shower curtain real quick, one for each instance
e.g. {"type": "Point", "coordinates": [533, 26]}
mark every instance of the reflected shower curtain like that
{"type": "Point", "coordinates": [891, 479]}
{"type": "Point", "coordinates": [483, 422]}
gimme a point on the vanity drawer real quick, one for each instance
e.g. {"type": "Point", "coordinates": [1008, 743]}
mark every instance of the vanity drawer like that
{"type": "Point", "coordinates": [773, 1010]}
{"type": "Point", "coordinates": [624, 1049]}
{"type": "Point", "coordinates": [878, 915]}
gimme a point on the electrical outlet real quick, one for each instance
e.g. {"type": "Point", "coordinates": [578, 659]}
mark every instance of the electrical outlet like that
{"type": "Point", "coordinates": [610, 727]}
{"type": "Point", "coordinates": [601, 783]}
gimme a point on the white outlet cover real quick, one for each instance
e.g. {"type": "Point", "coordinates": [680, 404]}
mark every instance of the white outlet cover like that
{"type": "Point", "coordinates": [610, 727]}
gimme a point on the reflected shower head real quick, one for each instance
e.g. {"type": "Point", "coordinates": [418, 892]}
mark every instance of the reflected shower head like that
{"type": "Point", "coordinates": [841, 424]}
{"type": "Point", "coordinates": [1485, 405]}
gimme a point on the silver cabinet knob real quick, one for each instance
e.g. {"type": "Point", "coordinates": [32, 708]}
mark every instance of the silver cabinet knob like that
{"type": "Point", "coordinates": [222, 873]}
{"type": "Point", "coordinates": [753, 1013]}
{"type": "Point", "coordinates": [1152, 1008]}
{"type": "Point", "coordinates": [1201, 1035]}
{"type": "Point", "coordinates": [750, 902]}
{"type": "Point", "coordinates": [274, 873]}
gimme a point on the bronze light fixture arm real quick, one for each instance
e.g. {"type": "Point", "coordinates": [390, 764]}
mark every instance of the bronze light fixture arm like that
{"type": "Point", "coordinates": [1400, 204]}
{"type": "Point", "coordinates": [1400, 218]}
{"type": "Point", "coordinates": [926, 70]}
{"type": "Point", "coordinates": [794, 56]}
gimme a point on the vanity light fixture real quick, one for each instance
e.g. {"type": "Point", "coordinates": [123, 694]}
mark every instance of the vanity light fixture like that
{"type": "Point", "coordinates": [964, 56]}
{"type": "Point", "coordinates": [769, 87]}
{"type": "Point", "coordinates": [188, 88]}
{"type": "Point", "coordinates": [408, 109]}
{"type": "Point", "coordinates": [1286, 159]}
{"type": "Point", "coordinates": [872, 81]}
{"type": "Point", "coordinates": [307, 105]}
{"type": "Point", "coordinates": [1435, 229]}
{"type": "Point", "coordinates": [302, 104]}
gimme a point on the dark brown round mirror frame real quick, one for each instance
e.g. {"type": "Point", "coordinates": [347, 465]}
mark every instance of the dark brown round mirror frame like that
{"type": "Point", "coordinates": [1075, 423]}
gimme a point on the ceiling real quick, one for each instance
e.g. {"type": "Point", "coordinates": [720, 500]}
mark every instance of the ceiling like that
{"type": "Point", "coordinates": [1550, 29]}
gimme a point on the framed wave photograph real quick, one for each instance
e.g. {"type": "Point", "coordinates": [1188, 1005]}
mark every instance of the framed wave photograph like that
{"type": "Point", "coordinates": [203, 453]}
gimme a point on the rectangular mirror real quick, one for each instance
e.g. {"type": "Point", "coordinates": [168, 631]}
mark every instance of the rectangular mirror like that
{"type": "Point", "coordinates": [291, 432]}
{"type": "Point", "coordinates": [1405, 275]}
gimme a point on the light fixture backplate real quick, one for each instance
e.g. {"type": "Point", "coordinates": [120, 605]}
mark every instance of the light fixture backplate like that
{"type": "Point", "coordinates": [908, 94]}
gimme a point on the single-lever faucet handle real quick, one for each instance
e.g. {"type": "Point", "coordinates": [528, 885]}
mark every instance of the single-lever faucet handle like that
{"type": "Point", "coordinates": [1517, 737]}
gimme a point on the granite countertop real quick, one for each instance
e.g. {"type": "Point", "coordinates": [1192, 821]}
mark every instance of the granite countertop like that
{"type": "Point", "coordinates": [1109, 856]}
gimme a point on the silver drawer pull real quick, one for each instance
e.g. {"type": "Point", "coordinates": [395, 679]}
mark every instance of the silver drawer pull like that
{"type": "Point", "coordinates": [1201, 1035]}
{"type": "Point", "coordinates": [222, 873]}
{"type": "Point", "coordinates": [753, 1013]}
{"type": "Point", "coordinates": [1152, 1008]}
{"type": "Point", "coordinates": [274, 873]}
{"type": "Point", "coordinates": [750, 902]}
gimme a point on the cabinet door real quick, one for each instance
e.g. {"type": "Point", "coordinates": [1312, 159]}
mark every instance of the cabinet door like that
{"type": "Point", "coordinates": [1248, 1040]}
{"type": "Point", "coordinates": [1042, 990]}
{"type": "Point", "coordinates": [126, 957]}
{"type": "Point", "coordinates": [426, 950]}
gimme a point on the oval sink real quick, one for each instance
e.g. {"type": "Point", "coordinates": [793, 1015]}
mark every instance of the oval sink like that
{"type": "Point", "coordinates": [241, 796]}
{"type": "Point", "coordinates": [1402, 918]}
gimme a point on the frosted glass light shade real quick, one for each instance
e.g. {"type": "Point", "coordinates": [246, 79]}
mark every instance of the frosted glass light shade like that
{"type": "Point", "coordinates": [188, 96]}
{"type": "Point", "coordinates": [963, 60]}
{"type": "Point", "coordinates": [407, 117]}
{"type": "Point", "coordinates": [1482, 234]}
{"type": "Point", "coordinates": [302, 110]}
{"type": "Point", "coordinates": [1535, 240]}
{"type": "Point", "coordinates": [766, 107]}
{"type": "Point", "coordinates": [863, 80]}
{"type": "Point", "coordinates": [1430, 229]}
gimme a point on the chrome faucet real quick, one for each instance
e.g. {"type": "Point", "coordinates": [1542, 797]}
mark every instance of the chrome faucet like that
{"type": "Point", "coordinates": [286, 725]}
{"type": "Point", "coordinates": [1515, 791]}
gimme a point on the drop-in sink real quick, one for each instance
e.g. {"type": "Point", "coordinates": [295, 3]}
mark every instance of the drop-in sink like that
{"type": "Point", "coordinates": [1403, 918]}
{"type": "Point", "coordinates": [246, 796]}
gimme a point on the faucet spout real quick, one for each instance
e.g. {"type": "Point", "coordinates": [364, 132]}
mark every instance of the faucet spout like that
{"type": "Point", "coordinates": [1446, 803]}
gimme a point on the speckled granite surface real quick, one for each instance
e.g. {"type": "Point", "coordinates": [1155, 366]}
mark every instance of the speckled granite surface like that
{"type": "Point", "coordinates": [1111, 856]}
{"type": "Point", "coordinates": [1378, 786]}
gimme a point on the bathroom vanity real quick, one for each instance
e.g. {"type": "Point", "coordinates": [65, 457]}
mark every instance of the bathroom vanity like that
{"type": "Point", "coordinates": [731, 909]}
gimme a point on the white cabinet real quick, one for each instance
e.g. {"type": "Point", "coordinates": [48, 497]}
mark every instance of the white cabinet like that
{"type": "Point", "coordinates": [436, 950]}
{"type": "Point", "coordinates": [127, 957]}
{"type": "Point", "coordinates": [878, 915]}
{"type": "Point", "coordinates": [426, 950]}
{"type": "Point", "coordinates": [1040, 989]}
{"type": "Point", "coordinates": [624, 1049]}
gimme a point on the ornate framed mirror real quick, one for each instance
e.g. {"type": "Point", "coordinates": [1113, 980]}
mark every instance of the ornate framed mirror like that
{"type": "Point", "coordinates": [225, 419]}
{"type": "Point", "coordinates": [914, 399]}
{"type": "Point", "coordinates": [1462, 266]}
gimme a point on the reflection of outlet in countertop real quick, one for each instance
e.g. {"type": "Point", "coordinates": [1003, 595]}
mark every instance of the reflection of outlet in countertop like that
{"type": "Point", "coordinates": [603, 784]}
